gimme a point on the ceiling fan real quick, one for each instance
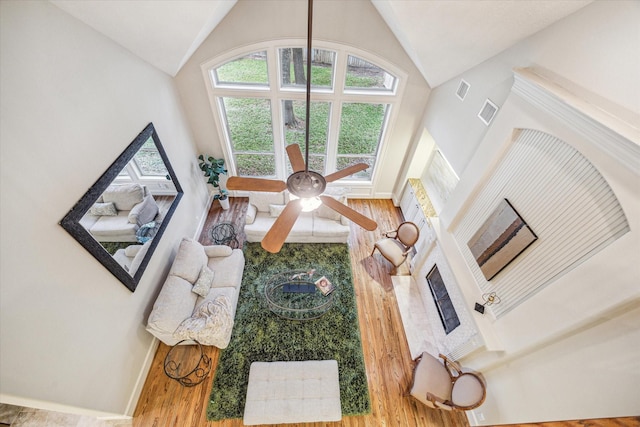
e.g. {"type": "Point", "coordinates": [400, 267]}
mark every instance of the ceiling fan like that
{"type": "Point", "coordinates": [303, 183]}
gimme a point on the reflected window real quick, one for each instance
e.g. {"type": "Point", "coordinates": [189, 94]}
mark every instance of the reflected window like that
{"type": "Point", "coordinates": [148, 161]}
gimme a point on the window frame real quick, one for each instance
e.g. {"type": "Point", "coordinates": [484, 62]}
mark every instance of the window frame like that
{"type": "Point", "coordinates": [337, 95]}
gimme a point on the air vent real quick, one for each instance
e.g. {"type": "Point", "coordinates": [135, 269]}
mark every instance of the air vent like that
{"type": "Point", "coordinates": [489, 110]}
{"type": "Point", "coordinates": [463, 88]}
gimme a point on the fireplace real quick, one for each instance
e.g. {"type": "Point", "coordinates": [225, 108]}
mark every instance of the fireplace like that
{"type": "Point", "coordinates": [443, 302]}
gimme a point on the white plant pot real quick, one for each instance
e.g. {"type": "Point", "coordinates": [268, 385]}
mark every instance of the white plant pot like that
{"type": "Point", "coordinates": [224, 203]}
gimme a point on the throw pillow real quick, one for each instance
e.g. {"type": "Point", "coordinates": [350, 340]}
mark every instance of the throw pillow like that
{"type": "Point", "coordinates": [210, 324]}
{"type": "Point", "coordinates": [189, 260]}
{"type": "Point", "coordinates": [144, 212]}
{"type": "Point", "coordinates": [203, 284]}
{"type": "Point", "coordinates": [326, 212]}
{"type": "Point", "coordinates": [103, 209]}
{"type": "Point", "coordinates": [262, 200]}
{"type": "Point", "coordinates": [276, 210]}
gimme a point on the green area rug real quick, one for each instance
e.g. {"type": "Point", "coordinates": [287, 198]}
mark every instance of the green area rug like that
{"type": "Point", "coordinates": [260, 335]}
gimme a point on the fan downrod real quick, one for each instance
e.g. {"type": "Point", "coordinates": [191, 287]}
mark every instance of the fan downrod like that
{"type": "Point", "coordinates": [306, 184]}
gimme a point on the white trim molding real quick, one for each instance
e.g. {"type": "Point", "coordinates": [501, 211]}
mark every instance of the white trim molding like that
{"type": "Point", "coordinates": [616, 137]}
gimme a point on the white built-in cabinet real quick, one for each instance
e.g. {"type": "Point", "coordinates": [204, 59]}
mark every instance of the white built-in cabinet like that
{"type": "Point", "coordinates": [416, 207]}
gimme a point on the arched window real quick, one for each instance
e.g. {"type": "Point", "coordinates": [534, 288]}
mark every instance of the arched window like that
{"type": "Point", "coordinates": [258, 98]}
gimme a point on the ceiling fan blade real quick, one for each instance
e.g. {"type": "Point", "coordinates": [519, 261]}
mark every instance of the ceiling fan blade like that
{"type": "Point", "coordinates": [350, 170]}
{"type": "Point", "coordinates": [255, 184]}
{"type": "Point", "coordinates": [355, 216]}
{"type": "Point", "coordinates": [275, 237]}
{"type": "Point", "coordinates": [295, 157]}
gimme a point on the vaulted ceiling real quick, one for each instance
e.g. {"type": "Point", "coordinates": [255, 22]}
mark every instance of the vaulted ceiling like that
{"type": "Point", "coordinates": [443, 37]}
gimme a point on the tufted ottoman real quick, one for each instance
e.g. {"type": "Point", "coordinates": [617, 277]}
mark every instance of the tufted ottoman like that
{"type": "Point", "coordinates": [293, 392]}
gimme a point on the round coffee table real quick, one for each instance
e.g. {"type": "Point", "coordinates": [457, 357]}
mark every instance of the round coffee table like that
{"type": "Point", "coordinates": [293, 295]}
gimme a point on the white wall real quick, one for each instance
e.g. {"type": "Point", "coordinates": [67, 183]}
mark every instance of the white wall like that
{"type": "Point", "coordinates": [71, 101]}
{"type": "Point", "coordinates": [571, 351]}
{"type": "Point", "coordinates": [595, 48]}
{"type": "Point", "coordinates": [354, 23]}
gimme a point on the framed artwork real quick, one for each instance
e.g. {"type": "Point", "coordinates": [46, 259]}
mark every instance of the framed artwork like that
{"type": "Point", "coordinates": [502, 237]}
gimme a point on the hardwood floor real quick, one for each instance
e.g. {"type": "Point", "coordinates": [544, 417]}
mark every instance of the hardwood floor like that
{"type": "Point", "coordinates": [164, 402]}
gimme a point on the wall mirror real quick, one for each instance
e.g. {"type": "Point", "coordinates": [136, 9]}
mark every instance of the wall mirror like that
{"type": "Point", "coordinates": [122, 217]}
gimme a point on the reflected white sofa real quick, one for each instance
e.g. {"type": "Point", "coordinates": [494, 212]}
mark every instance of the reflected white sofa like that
{"type": "Point", "coordinates": [324, 225]}
{"type": "Point", "coordinates": [131, 257]}
{"type": "Point", "coordinates": [180, 313]}
{"type": "Point", "coordinates": [119, 212]}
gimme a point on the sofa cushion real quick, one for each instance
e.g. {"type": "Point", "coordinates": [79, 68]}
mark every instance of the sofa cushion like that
{"type": "Point", "coordinates": [189, 260]}
{"type": "Point", "coordinates": [174, 304]}
{"type": "Point", "coordinates": [228, 270]}
{"type": "Point", "coordinates": [210, 324]}
{"type": "Point", "coordinates": [276, 210]}
{"type": "Point", "coordinates": [217, 251]}
{"type": "Point", "coordinates": [261, 200]}
{"type": "Point", "coordinates": [100, 209]}
{"type": "Point", "coordinates": [323, 227]}
{"type": "Point", "coordinates": [144, 212]}
{"type": "Point", "coordinates": [125, 197]}
{"type": "Point", "coordinates": [203, 284]}
{"type": "Point", "coordinates": [117, 225]}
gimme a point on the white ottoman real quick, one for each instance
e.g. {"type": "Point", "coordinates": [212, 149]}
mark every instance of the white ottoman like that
{"type": "Point", "coordinates": [293, 392]}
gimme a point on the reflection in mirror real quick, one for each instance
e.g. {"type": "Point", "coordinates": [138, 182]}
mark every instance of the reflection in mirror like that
{"type": "Point", "coordinates": [123, 215]}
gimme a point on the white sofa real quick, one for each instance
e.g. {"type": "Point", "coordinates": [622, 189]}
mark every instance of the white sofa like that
{"type": "Point", "coordinates": [324, 225]}
{"type": "Point", "coordinates": [119, 212]}
{"type": "Point", "coordinates": [179, 313]}
{"type": "Point", "coordinates": [131, 257]}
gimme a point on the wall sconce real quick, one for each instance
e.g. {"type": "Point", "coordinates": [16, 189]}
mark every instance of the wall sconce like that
{"type": "Point", "coordinates": [489, 299]}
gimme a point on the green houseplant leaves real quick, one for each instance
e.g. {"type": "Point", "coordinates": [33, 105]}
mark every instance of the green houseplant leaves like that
{"type": "Point", "coordinates": [212, 169]}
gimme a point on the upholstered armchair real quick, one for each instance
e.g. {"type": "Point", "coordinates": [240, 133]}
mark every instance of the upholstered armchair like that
{"type": "Point", "coordinates": [396, 244]}
{"type": "Point", "coordinates": [444, 385]}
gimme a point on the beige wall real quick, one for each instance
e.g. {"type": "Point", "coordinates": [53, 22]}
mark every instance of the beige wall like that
{"type": "Point", "coordinates": [353, 23]}
{"type": "Point", "coordinates": [71, 101]}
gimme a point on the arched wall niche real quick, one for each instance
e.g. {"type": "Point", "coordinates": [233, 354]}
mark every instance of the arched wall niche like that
{"type": "Point", "coordinates": [565, 200]}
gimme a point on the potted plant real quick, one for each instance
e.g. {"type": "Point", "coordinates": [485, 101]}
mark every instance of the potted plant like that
{"type": "Point", "coordinates": [212, 169]}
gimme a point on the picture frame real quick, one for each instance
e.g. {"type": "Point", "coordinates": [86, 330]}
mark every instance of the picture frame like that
{"type": "Point", "coordinates": [500, 239]}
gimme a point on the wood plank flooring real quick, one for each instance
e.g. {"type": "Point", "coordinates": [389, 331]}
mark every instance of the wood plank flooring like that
{"type": "Point", "coordinates": [164, 402]}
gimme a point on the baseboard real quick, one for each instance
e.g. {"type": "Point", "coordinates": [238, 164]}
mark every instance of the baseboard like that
{"type": "Point", "coordinates": [142, 377]}
{"type": "Point", "coordinates": [57, 407]}
{"type": "Point", "coordinates": [203, 217]}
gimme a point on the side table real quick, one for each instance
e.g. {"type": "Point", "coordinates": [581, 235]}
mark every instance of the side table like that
{"type": "Point", "coordinates": [224, 233]}
{"type": "Point", "coordinates": [187, 364]}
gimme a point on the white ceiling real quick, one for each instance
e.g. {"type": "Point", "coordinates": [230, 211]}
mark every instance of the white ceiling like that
{"type": "Point", "coordinates": [443, 37]}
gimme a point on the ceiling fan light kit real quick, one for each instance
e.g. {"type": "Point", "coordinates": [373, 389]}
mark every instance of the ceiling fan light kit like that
{"type": "Point", "coordinates": [305, 186]}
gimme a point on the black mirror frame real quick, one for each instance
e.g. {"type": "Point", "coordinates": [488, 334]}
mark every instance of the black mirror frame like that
{"type": "Point", "coordinates": [71, 221]}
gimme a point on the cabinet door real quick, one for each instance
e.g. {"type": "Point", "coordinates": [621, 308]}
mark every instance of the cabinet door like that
{"type": "Point", "coordinates": [408, 203]}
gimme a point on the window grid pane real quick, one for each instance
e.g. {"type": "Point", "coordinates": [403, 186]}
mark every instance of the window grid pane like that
{"type": "Point", "coordinates": [148, 160]}
{"type": "Point", "coordinates": [250, 69]}
{"type": "Point", "coordinates": [293, 68]}
{"type": "Point", "coordinates": [250, 135]}
{"type": "Point", "coordinates": [362, 74]}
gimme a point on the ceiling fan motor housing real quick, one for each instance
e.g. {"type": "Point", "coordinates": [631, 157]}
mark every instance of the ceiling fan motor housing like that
{"type": "Point", "coordinates": [305, 184]}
